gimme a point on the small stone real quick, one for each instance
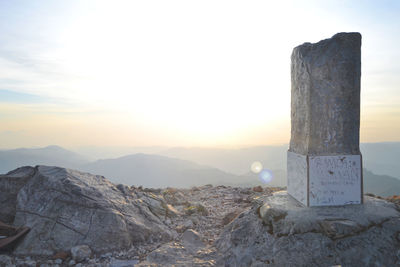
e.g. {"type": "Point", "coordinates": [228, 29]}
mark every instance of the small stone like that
{"type": "Point", "coordinates": [123, 263]}
{"type": "Point", "coordinates": [192, 238]}
{"type": "Point", "coordinates": [58, 261]}
{"type": "Point", "coordinates": [107, 255]}
{"type": "Point", "coordinates": [230, 217]}
{"type": "Point", "coordinates": [81, 253]}
{"type": "Point", "coordinates": [79, 265]}
{"type": "Point", "coordinates": [71, 263]}
{"type": "Point", "coordinates": [188, 224]}
{"type": "Point", "coordinates": [271, 215]}
{"type": "Point", "coordinates": [258, 189]}
{"type": "Point", "coordinates": [28, 263]}
{"type": "Point", "coordinates": [180, 228]}
{"type": "Point", "coordinates": [63, 255]}
{"type": "Point", "coordinates": [5, 260]}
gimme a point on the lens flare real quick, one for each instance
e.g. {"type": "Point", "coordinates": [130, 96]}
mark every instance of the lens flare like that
{"type": "Point", "coordinates": [256, 167]}
{"type": "Point", "coordinates": [265, 176]}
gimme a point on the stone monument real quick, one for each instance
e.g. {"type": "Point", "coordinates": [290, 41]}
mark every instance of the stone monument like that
{"type": "Point", "coordinates": [324, 164]}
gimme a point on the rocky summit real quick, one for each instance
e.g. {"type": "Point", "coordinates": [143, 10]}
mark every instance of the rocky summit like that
{"type": "Point", "coordinates": [80, 219]}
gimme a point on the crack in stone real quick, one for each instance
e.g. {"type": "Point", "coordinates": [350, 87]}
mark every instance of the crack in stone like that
{"type": "Point", "coordinates": [90, 226]}
{"type": "Point", "coordinates": [52, 219]}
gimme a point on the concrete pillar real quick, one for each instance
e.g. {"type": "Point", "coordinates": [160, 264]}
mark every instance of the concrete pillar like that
{"type": "Point", "coordinates": [324, 164]}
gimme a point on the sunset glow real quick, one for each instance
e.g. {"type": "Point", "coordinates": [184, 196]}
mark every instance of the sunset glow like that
{"type": "Point", "coordinates": [178, 73]}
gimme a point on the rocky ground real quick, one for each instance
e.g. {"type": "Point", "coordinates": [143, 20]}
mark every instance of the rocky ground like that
{"type": "Point", "coordinates": [195, 216]}
{"type": "Point", "coordinates": [79, 219]}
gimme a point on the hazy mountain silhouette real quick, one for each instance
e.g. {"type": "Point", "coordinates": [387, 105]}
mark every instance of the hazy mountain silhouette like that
{"type": "Point", "coordinates": [237, 161]}
{"type": "Point", "coordinates": [199, 166]}
{"type": "Point", "coordinates": [161, 171]}
{"type": "Point", "coordinates": [156, 171]}
{"type": "Point", "coordinates": [381, 185]}
{"type": "Point", "coordinates": [382, 158]}
{"type": "Point", "coordinates": [50, 155]}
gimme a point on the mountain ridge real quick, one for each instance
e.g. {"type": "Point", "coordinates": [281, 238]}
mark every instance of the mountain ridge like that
{"type": "Point", "coordinates": [155, 170]}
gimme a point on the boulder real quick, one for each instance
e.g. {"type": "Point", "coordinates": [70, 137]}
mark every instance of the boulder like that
{"type": "Point", "coordinates": [282, 232]}
{"type": "Point", "coordinates": [10, 184]}
{"type": "Point", "coordinates": [65, 208]}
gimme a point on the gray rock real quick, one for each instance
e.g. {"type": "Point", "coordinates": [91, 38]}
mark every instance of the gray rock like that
{"type": "Point", "coordinates": [123, 263]}
{"type": "Point", "coordinates": [27, 263]}
{"type": "Point", "coordinates": [5, 260]}
{"type": "Point", "coordinates": [71, 263]}
{"type": "Point", "coordinates": [81, 253]}
{"type": "Point", "coordinates": [173, 254]}
{"type": "Point", "coordinates": [106, 255]}
{"type": "Point", "coordinates": [230, 216]}
{"type": "Point", "coordinates": [325, 105]}
{"type": "Point", "coordinates": [10, 184]}
{"type": "Point", "coordinates": [65, 208]}
{"type": "Point", "coordinates": [174, 197]}
{"type": "Point", "coordinates": [282, 232]}
{"type": "Point", "coordinates": [183, 227]}
{"type": "Point", "coordinates": [191, 238]}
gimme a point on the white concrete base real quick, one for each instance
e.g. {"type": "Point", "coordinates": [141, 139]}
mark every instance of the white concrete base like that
{"type": "Point", "coordinates": [325, 180]}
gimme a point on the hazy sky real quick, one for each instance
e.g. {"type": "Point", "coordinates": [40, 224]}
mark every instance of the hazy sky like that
{"type": "Point", "coordinates": [179, 73]}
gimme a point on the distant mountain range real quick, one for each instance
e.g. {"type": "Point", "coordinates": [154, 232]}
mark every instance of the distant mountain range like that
{"type": "Point", "coordinates": [195, 167]}
{"type": "Point", "coordinates": [382, 158]}
{"type": "Point", "coordinates": [237, 161]}
{"type": "Point", "coordinates": [156, 171]}
{"type": "Point", "coordinates": [50, 155]}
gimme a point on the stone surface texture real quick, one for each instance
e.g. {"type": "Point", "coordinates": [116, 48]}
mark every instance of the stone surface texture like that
{"type": "Point", "coordinates": [65, 208]}
{"type": "Point", "coordinates": [297, 177]}
{"type": "Point", "coordinates": [10, 184]}
{"type": "Point", "coordinates": [282, 232]}
{"type": "Point", "coordinates": [191, 238]}
{"type": "Point", "coordinates": [325, 97]}
{"type": "Point", "coordinates": [81, 253]}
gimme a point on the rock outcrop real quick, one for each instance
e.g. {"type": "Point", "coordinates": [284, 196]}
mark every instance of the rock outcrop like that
{"type": "Point", "coordinates": [281, 232]}
{"type": "Point", "coordinates": [65, 208]}
{"type": "Point", "coordinates": [79, 219]}
{"type": "Point", "coordinates": [10, 184]}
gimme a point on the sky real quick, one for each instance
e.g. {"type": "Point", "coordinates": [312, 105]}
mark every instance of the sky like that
{"type": "Point", "coordinates": [179, 73]}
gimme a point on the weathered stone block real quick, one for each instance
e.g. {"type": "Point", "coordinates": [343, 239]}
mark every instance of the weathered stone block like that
{"type": "Point", "coordinates": [325, 102]}
{"type": "Point", "coordinates": [324, 164]}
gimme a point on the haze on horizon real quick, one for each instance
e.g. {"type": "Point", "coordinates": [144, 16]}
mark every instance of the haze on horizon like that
{"type": "Point", "coordinates": [179, 73]}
